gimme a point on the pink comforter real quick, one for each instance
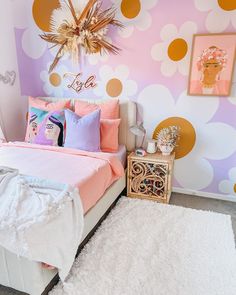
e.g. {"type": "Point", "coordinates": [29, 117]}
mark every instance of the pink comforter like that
{"type": "Point", "coordinates": [92, 173]}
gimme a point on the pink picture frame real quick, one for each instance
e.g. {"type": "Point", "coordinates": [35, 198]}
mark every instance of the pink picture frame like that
{"type": "Point", "coordinates": [212, 64]}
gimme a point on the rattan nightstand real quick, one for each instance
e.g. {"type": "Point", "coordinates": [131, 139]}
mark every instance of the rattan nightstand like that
{"type": "Point", "coordinates": [150, 177]}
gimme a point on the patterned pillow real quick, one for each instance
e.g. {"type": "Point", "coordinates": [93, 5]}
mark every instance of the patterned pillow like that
{"type": "Point", "coordinates": [45, 106]}
{"type": "Point", "coordinates": [46, 128]}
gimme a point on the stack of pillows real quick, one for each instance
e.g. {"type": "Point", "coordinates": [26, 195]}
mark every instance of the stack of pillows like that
{"type": "Point", "coordinates": [92, 127]}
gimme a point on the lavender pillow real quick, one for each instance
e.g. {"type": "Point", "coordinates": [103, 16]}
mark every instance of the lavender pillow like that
{"type": "Point", "coordinates": [83, 132]}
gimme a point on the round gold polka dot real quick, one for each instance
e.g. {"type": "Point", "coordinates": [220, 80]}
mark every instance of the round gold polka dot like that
{"type": "Point", "coordinates": [235, 188]}
{"type": "Point", "coordinates": [55, 79]}
{"type": "Point", "coordinates": [177, 49]}
{"type": "Point", "coordinates": [114, 87]}
{"type": "Point", "coordinates": [227, 5]}
{"type": "Point", "coordinates": [42, 11]}
{"type": "Point", "coordinates": [130, 8]}
{"type": "Point", "coordinates": [187, 137]}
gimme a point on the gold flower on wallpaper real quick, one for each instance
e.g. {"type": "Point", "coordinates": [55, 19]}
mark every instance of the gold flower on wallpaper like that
{"type": "Point", "coordinates": [76, 31]}
{"type": "Point", "coordinates": [221, 13]}
{"type": "Point", "coordinates": [115, 83]}
{"type": "Point", "coordinates": [134, 14]}
{"type": "Point", "coordinates": [174, 50]}
{"type": "Point", "coordinates": [54, 83]}
{"type": "Point", "coordinates": [199, 137]}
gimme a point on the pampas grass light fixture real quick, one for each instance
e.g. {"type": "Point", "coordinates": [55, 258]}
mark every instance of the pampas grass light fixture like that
{"type": "Point", "coordinates": [74, 29]}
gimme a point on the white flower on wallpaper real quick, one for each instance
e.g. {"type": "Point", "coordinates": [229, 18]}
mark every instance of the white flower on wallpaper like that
{"type": "Point", "coordinates": [228, 186]}
{"type": "Point", "coordinates": [200, 139]}
{"type": "Point", "coordinates": [54, 83]}
{"type": "Point", "coordinates": [175, 49]}
{"type": "Point", "coordinates": [94, 59]}
{"type": "Point", "coordinates": [134, 14]}
{"type": "Point", "coordinates": [221, 13]}
{"type": "Point", "coordinates": [32, 44]}
{"type": "Point", "coordinates": [115, 83]}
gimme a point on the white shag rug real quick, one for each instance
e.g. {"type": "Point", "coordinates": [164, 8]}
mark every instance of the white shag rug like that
{"type": "Point", "coordinates": [146, 248]}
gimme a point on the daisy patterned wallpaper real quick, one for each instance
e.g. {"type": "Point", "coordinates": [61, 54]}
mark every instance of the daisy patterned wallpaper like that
{"type": "Point", "coordinates": [151, 70]}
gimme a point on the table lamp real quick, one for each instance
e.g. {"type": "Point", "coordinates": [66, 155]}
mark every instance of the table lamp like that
{"type": "Point", "coordinates": [139, 131]}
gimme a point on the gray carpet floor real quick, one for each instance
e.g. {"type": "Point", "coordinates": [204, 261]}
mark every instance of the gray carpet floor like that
{"type": "Point", "coordinates": [185, 201]}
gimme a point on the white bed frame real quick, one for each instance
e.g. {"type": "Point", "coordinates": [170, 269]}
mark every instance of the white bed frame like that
{"type": "Point", "coordinates": [28, 276]}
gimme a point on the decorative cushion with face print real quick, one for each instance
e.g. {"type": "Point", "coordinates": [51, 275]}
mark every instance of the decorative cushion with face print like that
{"type": "Point", "coordinates": [46, 128]}
{"type": "Point", "coordinates": [43, 105]}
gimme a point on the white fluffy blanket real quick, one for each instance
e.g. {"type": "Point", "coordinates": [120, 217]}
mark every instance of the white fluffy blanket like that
{"type": "Point", "coordinates": [40, 219]}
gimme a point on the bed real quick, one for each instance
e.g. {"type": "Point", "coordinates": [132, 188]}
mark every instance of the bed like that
{"type": "Point", "coordinates": [29, 276]}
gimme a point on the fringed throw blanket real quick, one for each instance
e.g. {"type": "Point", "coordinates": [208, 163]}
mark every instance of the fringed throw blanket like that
{"type": "Point", "coordinates": [40, 219]}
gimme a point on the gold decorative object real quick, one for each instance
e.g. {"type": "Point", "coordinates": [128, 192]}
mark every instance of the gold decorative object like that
{"type": "Point", "coordinates": [74, 30]}
{"type": "Point", "coordinates": [150, 177]}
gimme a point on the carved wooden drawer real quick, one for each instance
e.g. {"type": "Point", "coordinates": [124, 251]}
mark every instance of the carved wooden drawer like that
{"type": "Point", "coordinates": [150, 177]}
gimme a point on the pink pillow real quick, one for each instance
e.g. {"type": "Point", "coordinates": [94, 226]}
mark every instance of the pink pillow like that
{"type": "Point", "coordinates": [44, 106]}
{"type": "Point", "coordinates": [109, 130]}
{"type": "Point", "coordinates": [48, 106]}
{"type": "Point", "coordinates": [109, 109]}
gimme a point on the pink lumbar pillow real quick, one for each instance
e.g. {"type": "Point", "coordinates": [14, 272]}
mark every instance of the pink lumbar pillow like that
{"type": "Point", "coordinates": [44, 106]}
{"type": "Point", "coordinates": [109, 131]}
{"type": "Point", "coordinates": [109, 109]}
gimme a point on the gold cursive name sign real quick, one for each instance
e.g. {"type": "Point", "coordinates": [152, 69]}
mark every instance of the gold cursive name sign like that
{"type": "Point", "coordinates": [78, 85]}
{"type": "Point", "coordinates": [8, 78]}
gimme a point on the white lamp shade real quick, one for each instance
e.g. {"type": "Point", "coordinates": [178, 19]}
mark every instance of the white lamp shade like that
{"type": "Point", "coordinates": [138, 130]}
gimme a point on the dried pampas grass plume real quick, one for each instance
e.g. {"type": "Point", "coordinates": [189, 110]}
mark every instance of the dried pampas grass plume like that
{"type": "Point", "coordinates": [81, 26]}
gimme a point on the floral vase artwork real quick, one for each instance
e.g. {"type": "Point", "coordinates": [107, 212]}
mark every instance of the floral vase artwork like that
{"type": "Point", "coordinates": [166, 150]}
{"type": "Point", "coordinates": [167, 138]}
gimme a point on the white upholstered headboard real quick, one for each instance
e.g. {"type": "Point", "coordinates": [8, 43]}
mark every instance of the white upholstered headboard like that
{"type": "Point", "coordinates": [127, 115]}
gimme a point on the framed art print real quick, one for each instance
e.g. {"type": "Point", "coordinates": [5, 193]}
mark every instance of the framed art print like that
{"type": "Point", "coordinates": [212, 63]}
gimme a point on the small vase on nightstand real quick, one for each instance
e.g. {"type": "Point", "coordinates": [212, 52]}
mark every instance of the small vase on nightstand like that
{"type": "Point", "coordinates": [166, 149]}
